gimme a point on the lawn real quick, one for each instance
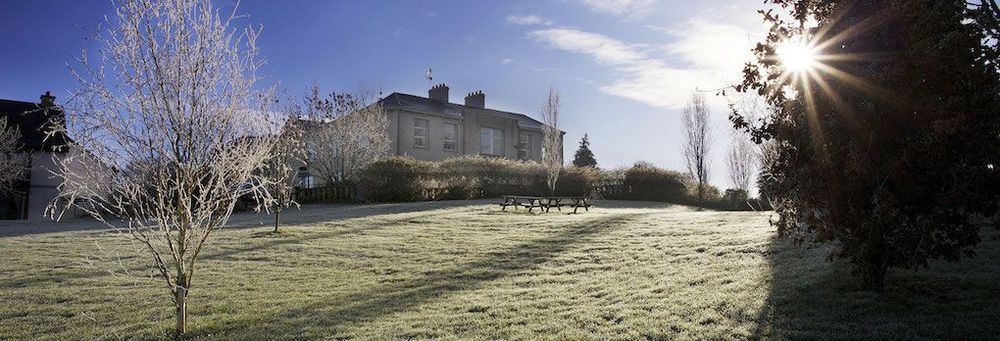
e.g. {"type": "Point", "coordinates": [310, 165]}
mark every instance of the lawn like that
{"type": "Point", "coordinates": [465, 270]}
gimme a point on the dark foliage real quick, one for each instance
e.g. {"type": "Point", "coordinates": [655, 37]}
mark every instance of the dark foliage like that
{"type": "Point", "coordinates": [646, 182]}
{"type": "Point", "coordinates": [890, 145]}
{"type": "Point", "coordinates": [584, 157]}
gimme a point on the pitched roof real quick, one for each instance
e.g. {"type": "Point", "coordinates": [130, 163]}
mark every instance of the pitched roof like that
{"type": "Point", "coordinates": [428, 106]}
{"type": "Point", "coordinates": [33, 121]}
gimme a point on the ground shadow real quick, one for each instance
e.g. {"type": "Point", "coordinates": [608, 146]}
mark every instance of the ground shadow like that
{"type": "Point", "coordinates": [314, 214]}
{"type": "Point", "coordinates": [334, 313]}
{"type": "Point", "coordinates": [812, 297]}
{"type": "Point", "coordinates": [304, 215]}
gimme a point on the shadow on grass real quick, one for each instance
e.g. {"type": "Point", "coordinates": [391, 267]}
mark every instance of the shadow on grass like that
{"type": "Point", "coordinates": [813, 298]}
{"type": "Point", "coordinates": [335, 313]}
{"type": "Point", "coordinates": [228, 253]}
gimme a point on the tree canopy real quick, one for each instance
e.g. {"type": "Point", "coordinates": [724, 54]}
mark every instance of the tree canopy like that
{"type": "Point", "coordinates": [584, 157]}
{"type": "Point", "coordinates": [887, 140]}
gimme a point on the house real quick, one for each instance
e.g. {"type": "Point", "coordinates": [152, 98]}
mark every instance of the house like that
{"type": "Point", "coordinates": [432, 128]}
{"type": "Point", "coordinates": [30, 196]}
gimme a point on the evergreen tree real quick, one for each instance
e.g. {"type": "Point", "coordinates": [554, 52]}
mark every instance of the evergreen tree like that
{"type": "Point", "coordinates": [884, 119]}
{"type": "Point", "coordinates": [584, 157]}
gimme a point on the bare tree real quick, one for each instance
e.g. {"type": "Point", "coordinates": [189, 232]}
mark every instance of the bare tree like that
{"type": "Point", "coordinates": [697, 141]}
{"type": "Point", "coordinates": [171, 112]}
{"type": "Point", "coordinates": [346, 132]}
{"type": "Point", "coordinates": [552, 142]}
{"type": "Point", "coordinates": [744, 156]}
{"type": "Point", "coordinates": [281, 168]}
{"type": "Point", "coordinates": [741, 161]}
{"type": "Point", "coordinates": [12, 161]}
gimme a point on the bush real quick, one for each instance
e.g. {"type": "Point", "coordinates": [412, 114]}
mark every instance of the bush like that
{"type": "Point", "coordinates": [467, 177]}
{"type": "Point", "coordinates": [576, 181]}
{"type": "Point", "coordinates": [647, 182]}
{"type": "Point", "coordinates": [396, 179]}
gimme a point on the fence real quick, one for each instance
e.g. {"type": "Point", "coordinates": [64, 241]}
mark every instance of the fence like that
{"type": "Point", "coordinates": [346, 193]}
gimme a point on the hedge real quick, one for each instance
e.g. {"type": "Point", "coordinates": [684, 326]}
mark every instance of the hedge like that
{"type": "Point", "coordinates": [468, 177]}
{"type": "Point", "coordinates": [398, 178]}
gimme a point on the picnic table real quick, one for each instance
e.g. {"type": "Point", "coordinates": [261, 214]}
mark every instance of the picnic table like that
{"type": "Point", "coordinates": [544, 203]}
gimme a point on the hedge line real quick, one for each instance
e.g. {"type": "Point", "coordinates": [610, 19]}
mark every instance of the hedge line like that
{"type": "Point", "coordinates": [398, 179]}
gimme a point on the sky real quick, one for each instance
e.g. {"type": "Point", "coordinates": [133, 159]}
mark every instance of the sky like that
{"type": "Point", "coordinates": [624, 68]}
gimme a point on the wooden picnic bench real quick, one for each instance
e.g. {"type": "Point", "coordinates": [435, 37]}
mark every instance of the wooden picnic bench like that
{"type": "Point", "coordinates": [523, 201]}
{"type": "Point", "coordinates": [544, 203]}
{"type": "Point", "coordinates": [574, 202]}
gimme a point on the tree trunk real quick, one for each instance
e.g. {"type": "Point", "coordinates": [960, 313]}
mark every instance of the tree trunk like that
{"type": "Point", "coordinates": [277, 219]}
{"type": "Point", "coordinates": [877, 268]}
{"type": "Point", "coordinates": [181, 310]}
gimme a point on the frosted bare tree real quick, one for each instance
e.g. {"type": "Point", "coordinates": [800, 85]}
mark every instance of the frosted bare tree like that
{"type": "Point", "coordinates": [344, 132]}
{"type": "Point", "coordinates": [12, 161]}
{"type": "Point", "coordinates": [282, 167]}
{"type": "Point", "coordinates": [175, 130]}
{"type": "Point", "coordinates": [697, 141]}
{"type": "Point", "coordinates": [741, 161]}
{"type": "Point", "coordinates": [552, 141]}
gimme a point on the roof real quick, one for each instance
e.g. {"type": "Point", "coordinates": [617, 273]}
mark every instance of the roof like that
{"type": "Point", "coordinates": [429, 106]}
{"type": "Point", "coordinates": [33, 121]}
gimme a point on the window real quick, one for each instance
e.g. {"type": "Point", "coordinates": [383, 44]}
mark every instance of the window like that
{"type": "Point", "coordinates": [491, 141]}
{"type": "Point", "coordinates": [420, 132]}
{"type": "Point", "coordinates": [450, 136]}
{"type": "Point", "coordinates": [524, 147]}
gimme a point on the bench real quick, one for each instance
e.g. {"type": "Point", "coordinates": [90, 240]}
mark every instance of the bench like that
{"type": "Point", "coordinates": [528, 202]}
{"type": "Point", "coordinates": [545, 203]}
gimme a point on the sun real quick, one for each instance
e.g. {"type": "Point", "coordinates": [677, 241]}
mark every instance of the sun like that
{"type": "Point", "coordinates": [797, 55]}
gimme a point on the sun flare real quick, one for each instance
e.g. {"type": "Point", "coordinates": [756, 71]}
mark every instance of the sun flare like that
{"type": "Point", "coordinates": [797, 55]}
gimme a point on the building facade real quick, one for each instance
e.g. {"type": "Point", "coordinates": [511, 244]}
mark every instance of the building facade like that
{"type": "Point", "coordinates": [29, 197]}
{"type": "Point", "coordinates": [432, 128]}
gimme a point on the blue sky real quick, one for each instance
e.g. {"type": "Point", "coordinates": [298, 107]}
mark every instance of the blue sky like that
{"type": "Point", "coordinates": [624, 68]}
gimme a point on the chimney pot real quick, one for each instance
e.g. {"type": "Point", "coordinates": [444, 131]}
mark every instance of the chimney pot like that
{"type": "Point", "coordinates": [438, 93]}
{"type": "Point", "coordinates": [47, 100]}
{"type": "Point", "coordinates": [476, 99]}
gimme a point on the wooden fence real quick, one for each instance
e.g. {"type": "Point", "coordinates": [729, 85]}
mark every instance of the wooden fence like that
{"type": "Point", "coordinates": [327, 194]}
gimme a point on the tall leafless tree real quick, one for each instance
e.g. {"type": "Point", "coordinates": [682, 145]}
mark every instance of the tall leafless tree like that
{"type": "Point", "coordinates": [171, 107]}
{"type": "Point", "coordinates": [744, 157]}
{"type": "Point", "coordinates": [552, 141]}
{"type": "Point", "coordinates": [741, 161]}
{"type": "Point", "coordinates": [345, 132]}
{"type": "Point", "coordinates": [12, 161]}
{"type": "Point", "coordinates": [697, 141]}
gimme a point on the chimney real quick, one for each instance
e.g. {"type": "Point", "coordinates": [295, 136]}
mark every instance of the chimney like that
{"type": "Point", "coordinates": [438, 93]}
{"type": "Point", "coordinates": [47, 100]}
{"type": "Point", "coordinates": [476, 99]}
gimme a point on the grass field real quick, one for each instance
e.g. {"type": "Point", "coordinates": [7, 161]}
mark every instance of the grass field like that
{"type": "Point", "coordinates": [464, 270]}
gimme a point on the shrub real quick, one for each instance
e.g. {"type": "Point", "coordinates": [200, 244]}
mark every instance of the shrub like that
{"type": "Point", "coordinates": [576, 181]}
{"type": "Point", "coordinates": [396, 179]}
{"type": "Point", "coordinates": [647, 182]}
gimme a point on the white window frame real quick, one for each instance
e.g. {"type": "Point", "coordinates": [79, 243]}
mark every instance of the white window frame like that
{"type": "Point", "coordinates": [494, 146]}
{"type": "Point", "coordinates": [451, 128]}
{"type": "Point", "coordinates": [420, 133]}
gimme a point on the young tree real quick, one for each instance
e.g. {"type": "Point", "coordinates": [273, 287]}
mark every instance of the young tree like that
{"type": "Point", "coordinates": [281, 168]}
{"type": "Point", "coordinates": [345, 133]}
{"type": "Point", "coordinates": [697, 141]}
{"type": "Point", "coordinates": [552, 142]}
{"type": "Point", "coordinates": [12, 161]}
{"type": "Point", "coordinates": [584, 157]}
{"type": "Point", "coordinates": [171, 113]}
{"type": "Point", "coordinates": [883, 126]}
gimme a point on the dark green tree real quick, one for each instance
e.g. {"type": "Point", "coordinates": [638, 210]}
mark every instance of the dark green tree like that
{"type": "Point", "coordinates": [584, 157]}
{"type": "Point", "coordinates": [884, 124]}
